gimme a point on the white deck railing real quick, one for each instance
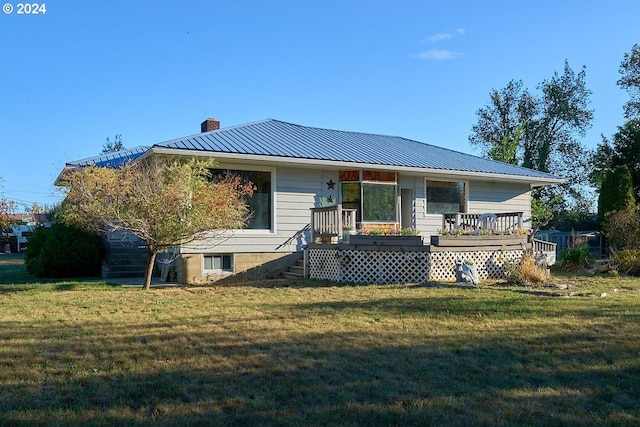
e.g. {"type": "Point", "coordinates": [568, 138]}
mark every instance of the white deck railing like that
{"type": "Point", "coordinates": [329, 221]}
{"type": "Point", "coordinates": [504, 222]}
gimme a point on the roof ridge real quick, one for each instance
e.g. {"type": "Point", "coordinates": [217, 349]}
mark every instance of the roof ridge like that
{"type": "Point", "coordinates": [169, 141]}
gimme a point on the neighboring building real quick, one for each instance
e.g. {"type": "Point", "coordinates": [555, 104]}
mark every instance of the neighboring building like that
{"type": "Point", "coordinates": [22, 228]}
{"type": "Point", "coordinates": [566, 239]}
{"type": "Point", "coordinates": [390, 181]}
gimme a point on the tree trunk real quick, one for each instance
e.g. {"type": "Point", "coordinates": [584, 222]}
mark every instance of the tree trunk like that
{"type": "Point", "coordinates": [149, 272]}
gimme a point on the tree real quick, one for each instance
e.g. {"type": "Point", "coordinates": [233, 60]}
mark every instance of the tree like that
{"type": "Point", "coordinates": [498, 131]}
{"type": "Point", "coordinates": [546, 129]}
{"type": "Point", "coordinates": [164, 201]}
{"type": "Point", "coordinates": [630, 81]}
{"type": "Point", "coordinates": [616, 191]}
{"type": "Point", "coordinates": [113, 146]}
{"type": "Point", "coordinates": [7, 207]}
{"type": "Point", "coordinates": [625, 150]}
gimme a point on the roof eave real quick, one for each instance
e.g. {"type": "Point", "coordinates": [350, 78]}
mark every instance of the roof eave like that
{"type": "Point", "coordinates": [531, 180]}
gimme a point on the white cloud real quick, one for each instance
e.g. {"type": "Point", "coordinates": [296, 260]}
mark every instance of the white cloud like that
{"type": "Point", "coordinates": [437, 55]}
{"type": "Point", "coordinates": [440, 36]}
{"type": "Point", "coordinates": [435, 38]}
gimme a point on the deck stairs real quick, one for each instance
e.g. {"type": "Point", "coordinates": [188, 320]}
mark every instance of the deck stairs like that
{"type": "Point", "coordinates": [125, 256]}
{"type": "Point", "coordinates": [295, 272]}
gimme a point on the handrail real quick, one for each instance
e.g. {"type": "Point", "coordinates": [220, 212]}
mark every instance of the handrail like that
{"type": "Point", "coordinates": [505, 221]}
{"type": "Point", "coordinates": [329, 221]}
{"type": "Point", "coordinates": [295, 236]}
{"type": "Point", "coordinates": [543, 246]}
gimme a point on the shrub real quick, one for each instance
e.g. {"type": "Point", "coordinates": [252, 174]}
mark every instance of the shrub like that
{"type": "Point", "coordinates": [62, 251]}
{"type": "Point", "coordinates": [622, 229]}
{"type": "Point", "coordinates": [526, 272]}
{"type": "Point", "coordinates": [576, 257]}
{"type": "Point", "coordinates": [628, 261]}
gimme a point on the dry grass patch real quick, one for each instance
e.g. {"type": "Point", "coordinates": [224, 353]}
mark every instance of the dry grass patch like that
{"type": "Point", "coordinates": [316, 354]}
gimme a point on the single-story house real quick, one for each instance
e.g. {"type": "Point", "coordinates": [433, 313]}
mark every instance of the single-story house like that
{"type": "Point", "coordinates": [382, 182]}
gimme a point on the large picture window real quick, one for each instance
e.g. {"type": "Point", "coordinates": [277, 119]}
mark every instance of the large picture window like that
{"type": "Point", "coordinates": [374, 195]}
{"type": "Point", "coordinates": [260, 203]}
{"type": "Point", "coordinates": [378, 202]}
{"type": "Point", "coordinates": [445, 197]}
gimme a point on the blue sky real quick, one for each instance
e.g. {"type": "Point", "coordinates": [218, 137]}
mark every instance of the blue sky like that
{"type": "Point", "coordinates": [152, 71]}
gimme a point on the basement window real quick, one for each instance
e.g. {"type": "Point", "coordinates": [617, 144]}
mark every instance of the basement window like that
{"type": "Point", "coordinates": [217, 263]}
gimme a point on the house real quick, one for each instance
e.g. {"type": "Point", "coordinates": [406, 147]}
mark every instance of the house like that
{"type": "Point", "coordinates": [16, 236]}
{"type": "Point", "coordinates": [383, 182]}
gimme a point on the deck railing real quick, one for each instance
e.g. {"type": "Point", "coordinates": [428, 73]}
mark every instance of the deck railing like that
{"type": "Point", "coordinates": [504, 222]}
{"type": "Point", "coordinates": [329, 221]}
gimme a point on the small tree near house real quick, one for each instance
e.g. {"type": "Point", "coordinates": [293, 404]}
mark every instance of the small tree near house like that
{"type": "Point", "coordinates": [164, 201]}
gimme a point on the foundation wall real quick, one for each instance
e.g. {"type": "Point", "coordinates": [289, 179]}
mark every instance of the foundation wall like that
{"type": "Point", "coordinates": [245, 266]}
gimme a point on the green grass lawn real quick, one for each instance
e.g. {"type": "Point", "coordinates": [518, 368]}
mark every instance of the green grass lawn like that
{"type": "Point", "coordinates": [314, 353]}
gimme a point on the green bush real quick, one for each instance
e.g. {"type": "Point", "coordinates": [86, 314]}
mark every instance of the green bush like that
{"type": "Point", "coordinates": [628, 261]}
{"type": "Point", "coordinates": [63, 251]}
{"type": "Point", "coordinates": [576, 257]}
{"type": "Point", "coordinates": [622, 229]}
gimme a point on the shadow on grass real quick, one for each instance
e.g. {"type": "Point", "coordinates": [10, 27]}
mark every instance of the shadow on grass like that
{"type": "Point", "coordinates": [227, 373]}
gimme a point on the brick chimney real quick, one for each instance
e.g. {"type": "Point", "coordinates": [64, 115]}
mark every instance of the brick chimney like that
{"type": "Point", "coordinates": [209, 125]}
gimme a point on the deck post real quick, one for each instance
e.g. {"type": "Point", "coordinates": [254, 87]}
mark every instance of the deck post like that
{"type": "Point", "coordinates": [339, 222]}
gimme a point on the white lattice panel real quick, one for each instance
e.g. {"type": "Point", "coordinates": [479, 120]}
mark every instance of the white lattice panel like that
{"type": "Point", "coordinates": [323, 264]}
{"type": "Point", "coordinates": [357, 266]}
{"type": "Point", "coordinates": [490, 264]}
{"type": "Point", "coordinates": [369, 266]}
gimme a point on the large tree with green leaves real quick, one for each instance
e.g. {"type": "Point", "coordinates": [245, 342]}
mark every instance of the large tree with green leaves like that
{"type": "Point", "coordinates": [616, 191]}
{"type": "Point", "coordinates": [164, 201]}
{"type": "Point", "coordinates": [630, 81]}
{"type": "Point", "coordinates": [543, 130]}
{"type": "Point", "coordinates": [624, 149]}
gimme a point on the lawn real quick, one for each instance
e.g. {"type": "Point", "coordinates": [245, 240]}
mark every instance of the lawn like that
{"type": "Point", "coordinates": [315, 353]}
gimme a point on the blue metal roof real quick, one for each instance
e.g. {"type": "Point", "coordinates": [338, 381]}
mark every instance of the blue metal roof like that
{"type": "Point", "coordinates": [274, 138]}
{"type": "Point", "coordinates": [113, 159]}
{"type": "Point", "coordinates": [278, 139]}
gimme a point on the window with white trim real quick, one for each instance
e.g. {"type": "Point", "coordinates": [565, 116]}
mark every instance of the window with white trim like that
{"type": "Point", "coordinates": [260, 203]}
{"type": "Point", "coordinates": [217, 263]}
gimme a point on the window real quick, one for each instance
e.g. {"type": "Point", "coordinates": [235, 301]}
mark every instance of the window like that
{"type": "Point", "coordinates": [374, 196]}
{"type": "Point", "coordinates": [217, 263]}
{"type": "Point", "coordinates": [378, 202]}
{"type": "Point", "coordinates": [351, 197]}
{"type": "Point", "coordinates": [445, 197]}
{"type": "Point", "coordinates": [260, 203]}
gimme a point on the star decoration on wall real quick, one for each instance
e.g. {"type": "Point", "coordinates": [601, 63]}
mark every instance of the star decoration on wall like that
{"type": "Point", "coordinates": [331, 185]}
{"type": "Point", "coordinates": [330, 199]}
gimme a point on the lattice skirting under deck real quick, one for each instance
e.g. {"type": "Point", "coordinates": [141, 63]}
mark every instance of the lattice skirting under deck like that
{"type": "Point", "coordinates": [490, 264]}
{"type": "Point", "coordinates": [358, 266]}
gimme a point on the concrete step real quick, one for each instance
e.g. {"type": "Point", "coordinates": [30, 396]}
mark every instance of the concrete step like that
{"type": "Point", "coordinates": [296, 269]}
{"type": "Point", "coordinates": [292, 276]}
